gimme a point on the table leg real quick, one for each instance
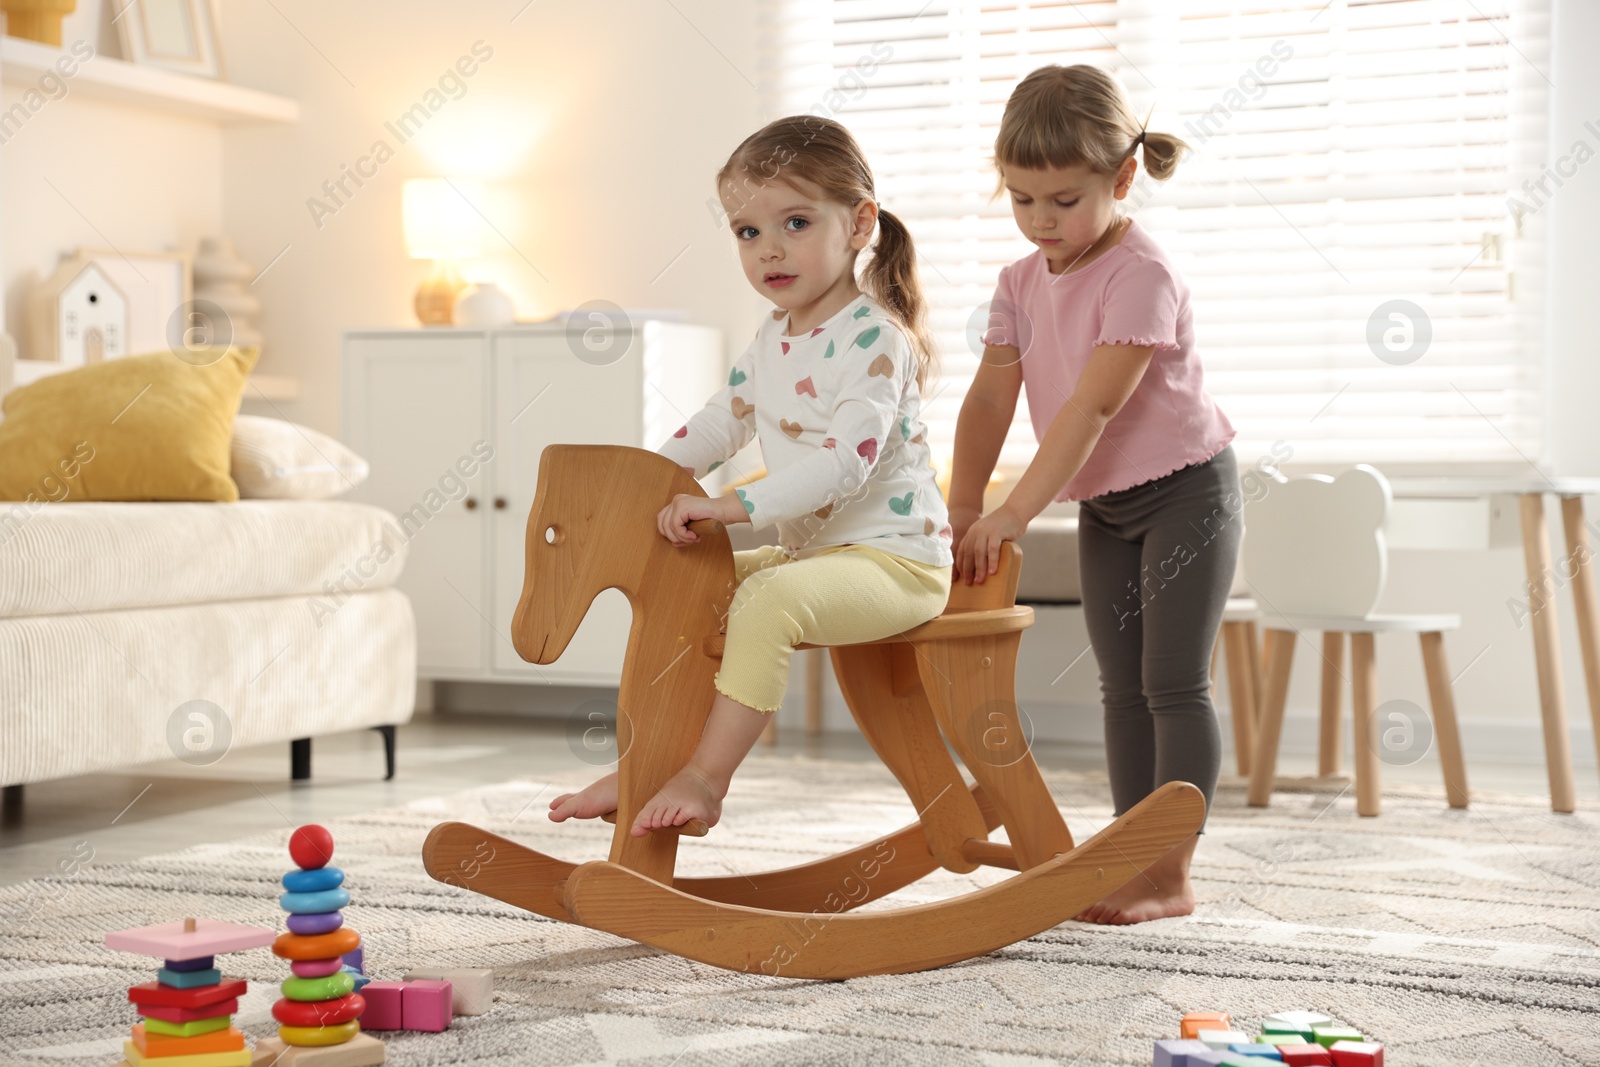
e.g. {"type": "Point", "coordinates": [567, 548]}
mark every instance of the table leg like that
{"type": "Point", "coordinates": [1547, 652]}
{"type": "Point", "coordinates": [1580, 553]}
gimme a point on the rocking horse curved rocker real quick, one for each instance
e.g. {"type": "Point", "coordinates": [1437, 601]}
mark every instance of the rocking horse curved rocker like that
{"type": "Point", "coordinates": [592, 528]}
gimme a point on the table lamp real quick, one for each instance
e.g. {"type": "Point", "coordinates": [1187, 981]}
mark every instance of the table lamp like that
{"type": "Point", "coordinates": [441, 224]}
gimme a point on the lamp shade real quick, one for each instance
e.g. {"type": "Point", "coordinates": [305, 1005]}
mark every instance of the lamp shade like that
{"type": "Point", "coordinates": [440, 219]}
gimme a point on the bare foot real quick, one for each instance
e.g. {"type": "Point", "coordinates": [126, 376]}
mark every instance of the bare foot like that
{"type": "Point", "coordinates": [597, 798]}
{"type": "Point", "coordinates": [689, 794]}
{"type": "Point", "coordinates": [1161, 892]}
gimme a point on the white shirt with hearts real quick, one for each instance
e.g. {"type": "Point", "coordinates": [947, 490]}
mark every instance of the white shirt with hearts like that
{"type": "Point", "coordinates": [838, 415]}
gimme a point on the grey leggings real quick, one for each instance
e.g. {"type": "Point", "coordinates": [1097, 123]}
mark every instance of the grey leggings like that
{"type": "Point", "coordinates": [1156, 562]}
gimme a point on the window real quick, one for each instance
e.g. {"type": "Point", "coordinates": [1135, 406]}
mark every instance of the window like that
{"type": "Point", "coordinates": [1365, 284]}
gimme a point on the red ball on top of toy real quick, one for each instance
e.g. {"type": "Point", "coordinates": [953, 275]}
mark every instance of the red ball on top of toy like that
{"type": "Point", "coordinates": [311, 847]}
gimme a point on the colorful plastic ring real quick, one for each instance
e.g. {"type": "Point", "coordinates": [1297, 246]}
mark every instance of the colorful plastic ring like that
{"type": "Point", "coordinates": [329, 988]}
{"type": "Point", "coordinates": [334, 943]}
{"type": "Point", "coordinates": [314, 903]}
{"type": "Point", "coordinates": [316, 922]}
{"type": "Point", "coordinates": [308, 1013]}
{"type": "Point", "coordinates": [314, 880]}
{"type": "Point", "coordinates": [312, 1036]}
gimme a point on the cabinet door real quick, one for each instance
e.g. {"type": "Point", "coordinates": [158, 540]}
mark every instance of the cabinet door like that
{"type": "Point", "coordinates": [543, 395]}
{"type": "Point", "coordinates": [414, 408]}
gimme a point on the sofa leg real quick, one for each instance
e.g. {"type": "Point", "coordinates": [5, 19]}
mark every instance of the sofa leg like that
{"type": "Point", "coordinates": [388, 751]}
{"type": "Point", "coordinates": [11, 802]}
{"type": "Point", "coordinates": [300, 759]}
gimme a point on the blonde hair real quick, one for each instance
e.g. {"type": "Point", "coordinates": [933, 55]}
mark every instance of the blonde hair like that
{"type": "Point", "coordinates": [822, 152]}
{"type": "Point", "coordinates": [1077, 116]}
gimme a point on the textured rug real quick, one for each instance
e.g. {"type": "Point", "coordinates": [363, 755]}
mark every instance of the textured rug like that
{"type": "Point", "coordinates": [1456, 938]}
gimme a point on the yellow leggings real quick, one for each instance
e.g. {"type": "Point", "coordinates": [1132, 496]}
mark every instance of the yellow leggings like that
{"type": "Point", "coordinates": [841, 595]}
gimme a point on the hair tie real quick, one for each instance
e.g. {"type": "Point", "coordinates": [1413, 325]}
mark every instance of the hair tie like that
{"type": "Point", "coordinates": [1140, 139]}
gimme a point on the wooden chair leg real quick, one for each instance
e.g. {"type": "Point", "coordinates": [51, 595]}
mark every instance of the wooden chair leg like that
{"type": "Point", "coordinates": [1363, 705]}
{"type": "Point", "coordinates": [1547, 656]}
{"type": "Point", "coordinates": [1583, 602]}
{"type": "Point", "coordinates": [1280, 658]}
{"type": "Point", "coordinates": [1445, 727]}
{"type": "Point", "coordinates": [1241, 693]}
{"type": "Point", "coordinates": [1253, 634]}
{"type": "Point", "coordinates": [1329, 743]}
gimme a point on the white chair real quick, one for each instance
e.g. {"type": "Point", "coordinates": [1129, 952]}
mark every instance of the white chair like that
{"type": "Point", "coordinates": [1315, 560]}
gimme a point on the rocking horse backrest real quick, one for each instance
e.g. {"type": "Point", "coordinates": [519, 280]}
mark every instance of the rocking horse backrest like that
{"type": "Point", "coordinates": [997, 590]}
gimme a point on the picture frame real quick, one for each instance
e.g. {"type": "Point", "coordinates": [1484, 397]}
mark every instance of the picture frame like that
{"type": "Point", "coordinates": [178, 35]}
{"type": "Point", "coordinates": [157, 284]}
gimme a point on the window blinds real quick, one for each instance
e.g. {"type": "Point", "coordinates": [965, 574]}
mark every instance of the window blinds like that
{"type": "Point", "coordinates": [1362, 288]}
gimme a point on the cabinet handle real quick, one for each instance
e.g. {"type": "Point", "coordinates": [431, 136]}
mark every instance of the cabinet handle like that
{"type": "Point", "coordinates": [472, 503]}
{"type": "Point", "coordinates": [500, 503]}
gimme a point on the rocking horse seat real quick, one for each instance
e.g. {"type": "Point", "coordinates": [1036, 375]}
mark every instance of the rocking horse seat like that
{"type": "Point", "coordinates": [951, 626]}
{"type": "Point", "coordinates": [948, 683]}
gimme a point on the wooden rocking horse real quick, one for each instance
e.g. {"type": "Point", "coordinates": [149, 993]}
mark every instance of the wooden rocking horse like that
{"type": "Point", "coordinates": [592, 528]}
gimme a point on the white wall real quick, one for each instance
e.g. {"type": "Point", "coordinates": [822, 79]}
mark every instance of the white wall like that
{"type": "Point", "coordinates": [600, 127]}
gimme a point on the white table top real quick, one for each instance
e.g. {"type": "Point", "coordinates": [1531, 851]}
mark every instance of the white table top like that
{"type": "Point", "coordinates": [1488, 486]}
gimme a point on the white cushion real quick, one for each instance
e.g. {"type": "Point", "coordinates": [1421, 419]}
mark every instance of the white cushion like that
{"type": "Point", "coordinates": [69, 558]}
{"type": "Point", "coordinates": [278, 460]}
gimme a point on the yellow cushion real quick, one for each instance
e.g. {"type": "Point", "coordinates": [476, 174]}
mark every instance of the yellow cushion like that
{"type": "Point", "coordinates": [146, 427]}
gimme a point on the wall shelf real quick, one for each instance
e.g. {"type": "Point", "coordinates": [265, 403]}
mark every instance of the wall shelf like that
{"type": "Point", "coordinates": [102, 77]}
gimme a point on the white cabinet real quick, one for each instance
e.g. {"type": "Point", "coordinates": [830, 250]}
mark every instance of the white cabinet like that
{"type": "Point", "coordinates": [453, 422]}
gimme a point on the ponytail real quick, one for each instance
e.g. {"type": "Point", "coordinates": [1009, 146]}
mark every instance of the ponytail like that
{"type": "Point", "coordinates": [891, 277]}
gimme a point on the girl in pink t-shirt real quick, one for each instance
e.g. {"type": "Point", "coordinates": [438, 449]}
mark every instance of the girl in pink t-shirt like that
{"type": "Point", "coordinates": [1096, 324]}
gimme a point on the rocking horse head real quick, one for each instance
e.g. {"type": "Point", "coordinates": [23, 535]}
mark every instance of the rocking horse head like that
{"type": "Point", "coordinates": [592, 527]}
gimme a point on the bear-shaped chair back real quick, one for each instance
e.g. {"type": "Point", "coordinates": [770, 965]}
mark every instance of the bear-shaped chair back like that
{"type": "Point", "coordinates": [1314, 545]}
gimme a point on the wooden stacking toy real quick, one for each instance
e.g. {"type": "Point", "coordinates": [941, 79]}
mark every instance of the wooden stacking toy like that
{"type": "Point", "coordinates": [948, 682]}
{"type": "Point", "coordinates": [1294, 1038]}
{"type": "Point", "coordinates": [187, 1012]}
{"type": "Point", "coordinates": [318, 1014]}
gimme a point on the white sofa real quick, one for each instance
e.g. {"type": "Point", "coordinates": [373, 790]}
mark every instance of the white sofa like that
{"type": "Point", "coordinates": [115, 616]}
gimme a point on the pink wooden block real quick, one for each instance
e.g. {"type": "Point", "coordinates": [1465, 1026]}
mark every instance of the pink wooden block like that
{"type": "Point", "coordinates": [209, 938]}
{"type": "Point", "coordinates": [384, 1010]}
{"type": "Point", "coordinates": [425, 1005]}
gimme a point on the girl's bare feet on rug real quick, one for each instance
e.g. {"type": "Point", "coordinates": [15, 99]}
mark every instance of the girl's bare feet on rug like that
{"type": "Point", "coordinates": [1161, 892]}
{"type": "Point", "coordinates": [593, 801]}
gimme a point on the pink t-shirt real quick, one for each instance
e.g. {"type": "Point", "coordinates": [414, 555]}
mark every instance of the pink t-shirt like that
{"type": "Point", "coordinates": [1130, 295]}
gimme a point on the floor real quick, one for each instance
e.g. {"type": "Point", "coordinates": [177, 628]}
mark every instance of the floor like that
{"type": "Point", "coordinates": [158, 807]}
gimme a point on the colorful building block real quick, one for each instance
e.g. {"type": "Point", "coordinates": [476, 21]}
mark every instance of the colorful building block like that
{"type": "Point", "coordinates": [425, 1005]}
{"type": "Point", "coordinates": [1259, 1051]}
{"type": "Point", "coordinates": [135, 1058]}
{"type": "Point", "coordinates": [189, 1029]}
{"type": "Point", "coordinates": [1222, 1040]}
{"type": "Point", "coordinates": [206, 1012]}
{"type": "Point", "coordinates": [1305, 1056]}
{"type": "Point", "coordinates": [1178, 1053]}
{"type": "Point", "coordinates": [1195, 1021]}
{"type": "Point", "coordinates": [383, 1006]}
{"type": "Point", "coordinates": [199, 963]}
{"type": "Point", "coordinates": [160, 1046]}
{"type": "Point", "coordinates": [1356, 1054]}
{"type": "Point", "coordinates": [1326, 1036]}
{"type": "Point", "coordinates": [171, 941]}
{"type": "Point", "coordinates": [165, 996]}
{"type": "Point", "coordinates": [472, 988]}
{"type": "Point", "coordinates": [188, 979]}
{"type": "Point", "coordinates": [1295, 1022]}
